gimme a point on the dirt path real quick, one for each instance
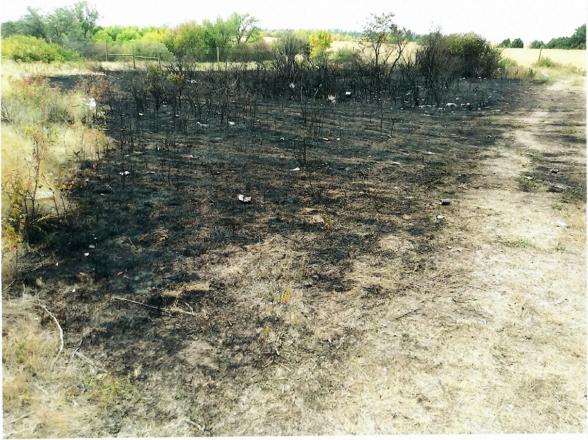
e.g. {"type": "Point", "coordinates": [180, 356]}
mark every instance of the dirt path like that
{"type": "Point", "coordinates": [493, 338]}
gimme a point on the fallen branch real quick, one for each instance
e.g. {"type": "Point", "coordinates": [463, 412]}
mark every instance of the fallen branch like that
{"type": "Point", "coordinates": [60, 334]}
{"type": "Point", "coordinates": [170, 310]}
{"type": "Point", "coordinates": [135, 302]}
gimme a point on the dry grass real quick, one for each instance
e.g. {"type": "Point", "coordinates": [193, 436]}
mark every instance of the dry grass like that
{"type": "Point", "coordinates": [38, 402]}
{"type": "Point", "coordinates": [527, 57]}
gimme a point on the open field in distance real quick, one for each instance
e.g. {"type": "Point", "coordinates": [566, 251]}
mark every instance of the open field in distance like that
{"type": "Point", "coordinates": [526, 57]}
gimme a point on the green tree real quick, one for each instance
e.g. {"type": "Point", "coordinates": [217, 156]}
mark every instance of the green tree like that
{"type": "Point", "coordinates": [188, 39]}
{"type": "Point", "coordinates": [537, 44]}
{"type": "Point", "coordinates": [245, 28]}
{"type": "Point", "coordinates": [62, 25]}
{"type": "Point", "coordinates": [128, 34]}
{"type": "Point", "coordinates": [505, 43]}
{"type": "Point", "coordinates": [87, 18]}
{"type": "Point", "coordinates": [219, 34]}
{"type": "Point", "coordinates": [33, 24]}
{"type": "Point", "coordinates": [578, 40]}
{"type": "Point", "coordinates": [9, 28]}
{"type": "Point", "coordinates": [517, 43]}
{"type": "Point", "coordinates": [320, 42]}
{"type": "Point", "coordinates": [379, 33]}
{"type": "Point", "coordinates": [102, 36]}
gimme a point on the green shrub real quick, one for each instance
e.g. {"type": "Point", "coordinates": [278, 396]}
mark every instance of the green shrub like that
{"type": "Point", "coordinates": [30, 49]}
{"type": "Point", "coordinates": [506, 63]}
{"type": "Point", "coordinates": [345, 55]}
{"type": "Point", "coordinates": [546, 62]}
{"type": "Point", "coordinates": [477, 56]}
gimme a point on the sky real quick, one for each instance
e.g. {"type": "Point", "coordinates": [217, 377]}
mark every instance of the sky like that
{"type": "Point", "coordinates": [495, 20]}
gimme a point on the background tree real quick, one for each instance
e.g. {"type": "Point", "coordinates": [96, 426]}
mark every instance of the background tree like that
{"type": "Point", "coordinates": [537, 44]}
{"type": "Point", "coordinates": [245, 27]}
{"type": "Point", "coordinates": [320, 42]}
{"type": "Point", "coordinates": [505, 43]}
{"type": "Point", "coordinates": [87, 18]}
{"type": "Point", "coordinates": [517, 43]}
{"type": "Point", "coordinates": [218, 34]}
{"type": "Point", "coordinates": [379, 31]}
{"type": "Point", "coordinates": [32, 24]}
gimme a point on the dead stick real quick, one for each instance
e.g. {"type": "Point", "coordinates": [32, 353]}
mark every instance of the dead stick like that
{"type": "Point", "coordinates": [135, 302]}
{"type": "Point", "coordinates": [408, 313]}
{"type": "Point", "coordinates": [60, 334]}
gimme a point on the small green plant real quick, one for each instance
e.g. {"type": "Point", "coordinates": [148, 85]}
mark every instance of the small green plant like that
{"type": "Point", "coordinates": [574, 194]}
{"type": "Point", "coordinates": [546, 62]}
{"type": "Point", "coordinates": [519, 243]}
{"type": "Point", "coordinates": [568, 131]}
{"type": "Point", "coordinates": [328, 226]}
{"type": "Point", "coordinates": [286, 296]}
{"type": "Point", "coordinates": [529, 185]}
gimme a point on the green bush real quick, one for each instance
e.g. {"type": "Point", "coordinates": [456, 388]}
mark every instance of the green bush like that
{"type": "Point", "coordinates": [537, 44]}
{"type": "Point", "coordinates": [29, 49]}
{"type": "Point", "coordinates": [477, 56]}
{"type": "Point", "coordinates": [506, 63]}
{"type": "Point", "coordinates": [546, 62]}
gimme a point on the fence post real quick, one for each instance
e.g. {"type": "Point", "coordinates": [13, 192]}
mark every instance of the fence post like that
{"type": "Point", "coordinates": [217, 56]}
{"type": "Point", "coordinates": [158, 59]}
{"type": "Point", "coordinates": [133, 52]}
{"type": "Point", "coordinates": [106, 48]}
{"type": "Point", "coordinates": [540, 50]}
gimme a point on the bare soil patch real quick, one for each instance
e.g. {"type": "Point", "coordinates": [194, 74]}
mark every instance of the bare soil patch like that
{"type": "Point", "coordinates": [344, 299]}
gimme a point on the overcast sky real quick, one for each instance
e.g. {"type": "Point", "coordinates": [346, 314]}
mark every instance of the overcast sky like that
{"type": "Point", "coordinates": [495, 20]}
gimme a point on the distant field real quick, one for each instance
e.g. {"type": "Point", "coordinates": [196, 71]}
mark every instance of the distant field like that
{"type": "Point", "coordinates": [526, 57]}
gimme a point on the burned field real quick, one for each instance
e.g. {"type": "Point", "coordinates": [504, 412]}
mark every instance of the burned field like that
{"type": "Point", "coordinates": [257, 318]}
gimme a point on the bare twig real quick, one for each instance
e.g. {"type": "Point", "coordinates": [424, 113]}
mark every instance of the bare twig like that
{"type": "Point", "coordinates": [60, 334]}
{"type": "Point", "coordinates": [408, 313]}
{"type": "Point", "coordinates": [135, 302]}
{"type": "Point", "coordinates": [24, 416]}
{"type": "Point", "coordinates": [177, 309]}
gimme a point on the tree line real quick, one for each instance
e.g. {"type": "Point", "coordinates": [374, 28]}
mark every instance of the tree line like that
{"type": "Point", "coordinates": [576, 41]}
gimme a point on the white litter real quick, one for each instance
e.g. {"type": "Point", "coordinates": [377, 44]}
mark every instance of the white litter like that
{"type": "Point", "coordinates": [430, 152]}
{"type": "Point", "coordinates": [126, 173]}
{"type": "Point", "coordinates": [295, 169]}
{"type": "Point", "coordinates": [40, 195]}
{"type": "Point", "coordinates": [562, 224]}
{"type": "Point", "coordinates": [440, 217]}
{"type": "Point", "coordinates": [91, 103]}
{"type": "Point", "coordinates": [244, 199]}
{"type": "Point", "coordinates": [231, 123]}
